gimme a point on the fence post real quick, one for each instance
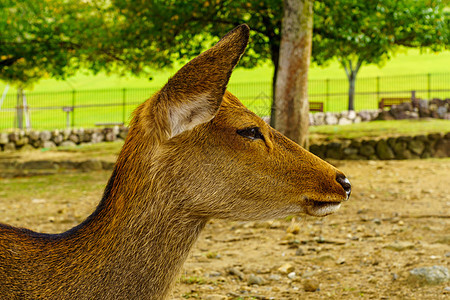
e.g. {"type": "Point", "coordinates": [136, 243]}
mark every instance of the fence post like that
{"type": "Point", "coordinates": [123, 105]}
{"type": "Point", "coordinates": [429, 86]}
{"type": "Point", "coordinates": [73, 108]}
{"type": "Point", "coordinates": [378, 88]}
{"type": "Point", "coordinates": [19, 108]}
{"type": "Point", "coordinates": [328, 94]}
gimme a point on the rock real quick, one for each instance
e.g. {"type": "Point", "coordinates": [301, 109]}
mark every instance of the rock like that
{"type": "Point", "coordinates": [13, 136]}
{"type": "Point", "coordinates": [123, 131]}
{"type": "Point", "coordinates": [434, 136]}
{"type": "Point", "coordinates": [67, 144]}
{"type": "Point", "coordinates": [33, 135]}
{"type": "Point", "coordinates": [351, 114]}
{"type": "Point", "coordinates": [291, 275]}
{"type": "Point", "coordinates": [234, 271]}
{"type": "Point", "coordinates": [215, 274]}
{"type": "Point", "coordinates": [399, 246]}
{"type": "Point", "coordinates": [416, 146]}
{"type": "Point", "coordinates": [74, 138]}
{"type": "Point", "coordinates": [106, 165]}
{"type": "Point", "coordinates": [330, 119]}
{"type": "Point", "coordinates": [442, 148]}
{"type": "Point", "coordinates": [400, 149]}
{"type": "Point", "coordinates": [21, 141]}
{"type": "Point", "coordinates": [68, 165]}
{"type": "Point", "coordinates": [367, 115]}
{"type": "Point", "coordinates": [255, 279]}
{"type": "Point", "coordinates": [294, 228]}
{"type": "Point", "coordinates": [48, 144]}
{"type": "Point", "coordinates": [334, 151]}
{"type": "Point", "coordinates": [3, 138]}
{"type": "Point", "coordinates": [367, 150]}
{"type": "Point", "coordinates": [443, 240]}
{"type": "Point", "coordinates": [383, 150]}
{"type": "Point", "coordinates": [66, 133]}
{"type": "Point", "coordinates": [318, 150]}
{"type": "Point", "coordinates": [45, 135]}
{"type": "Point", "coordinates": [275, 277]}
{"type": "Point", "coordinates": [286, 268]}
{"type": "Point", "coordinates": [39, 165]}
{"type": "Point", "coordinates": [216, 297]}
{"type": "Point", "coordinates": [109, 134]}
{"type": "Point", "coordinates": [340, 261]}
{"type": "Point", "coordinates": [350, 151]}
{"type": "Point", "coordinates": [429, 275]}
{"type": "Point", "coordinates": [377, 221]}
{"type": "Point", "coordinates": [26, 147]}
{"type": "Point", "coordinates": [97, 137]}
{"type": "Point", "coordinates": [319, 118]}
{"type": "Point", "coordinates": [384, 115]}
{"type": "Point", "coordinates": [91, 165]}
{"type": "Point", "coordinates": [311, 285]}
{"type": "Point", "coordinates": [299, 251]}
{"type": "Point", "coordinates": [325, 257]}
{"type": "Point", "coordinates": [9, 147]}
{"type": "Point", "coordinates": [344, 121]}
{"type": "Point", "coordinates": [311, 119]}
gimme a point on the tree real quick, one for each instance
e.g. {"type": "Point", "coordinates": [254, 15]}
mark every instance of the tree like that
{"type": "Point", "coordinates": [368, 32]}
{"type": "Point", "coordinates": [292, 108]}
{"type": "Point", "coordinates": [53, 38]}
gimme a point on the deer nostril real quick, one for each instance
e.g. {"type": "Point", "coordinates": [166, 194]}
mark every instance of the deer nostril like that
{"type": "Point", "coordinates": [345, 183]}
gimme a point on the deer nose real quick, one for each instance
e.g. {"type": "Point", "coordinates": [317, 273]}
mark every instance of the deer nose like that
{"type": "Point", "coordinates": [345, 183]}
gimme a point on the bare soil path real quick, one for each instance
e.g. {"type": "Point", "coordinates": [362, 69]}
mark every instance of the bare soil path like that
{"type": "Point", "coordinates": [397, 219]}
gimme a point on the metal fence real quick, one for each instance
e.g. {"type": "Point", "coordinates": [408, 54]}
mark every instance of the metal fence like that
{"type": "Point", "coordinates": [88, 108]}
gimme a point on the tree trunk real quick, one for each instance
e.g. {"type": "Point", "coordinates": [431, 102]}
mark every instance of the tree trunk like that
{"type": "Point", "coordinates": [274, 88]}
{"type": "Point", "coordinates": [19, 107]}
{"type": "Point", "coordinates": [351, 91]}
{"type": "Point", "coordinates": [351, 76]}
{"type": "Point", "coordinates": [291, 98]}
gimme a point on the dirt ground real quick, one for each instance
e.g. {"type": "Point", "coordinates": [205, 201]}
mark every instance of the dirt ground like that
{"type": "Point", "coordinates": [397, 219]}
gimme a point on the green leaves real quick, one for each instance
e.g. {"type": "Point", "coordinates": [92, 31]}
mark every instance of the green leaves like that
{"type": "Point", "coordinates": [55, 38]}
{"type": "Point", "coordinates": [369, 30]}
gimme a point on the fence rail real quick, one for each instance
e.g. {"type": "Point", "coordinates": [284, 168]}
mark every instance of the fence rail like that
{"type": "Point", "coordinates": [85, 108]}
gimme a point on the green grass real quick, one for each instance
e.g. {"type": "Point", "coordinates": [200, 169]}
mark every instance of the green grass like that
{"type": "Point", "coordinates": [253, 87]}
{"type": "Point", "coordinates": [404, 62]}
{"type": "Point", "coordinates": [378, 129]}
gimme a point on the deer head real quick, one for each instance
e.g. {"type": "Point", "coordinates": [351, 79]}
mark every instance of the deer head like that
{"type": "Point", "coordinates": [202, 148]}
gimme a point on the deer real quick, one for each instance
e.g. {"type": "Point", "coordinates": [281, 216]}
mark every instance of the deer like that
{"type": "Point", "coordinates": [194, 152]}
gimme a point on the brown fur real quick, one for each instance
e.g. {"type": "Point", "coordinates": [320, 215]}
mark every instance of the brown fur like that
{"type": "Point", "coordinates": [182, 164]}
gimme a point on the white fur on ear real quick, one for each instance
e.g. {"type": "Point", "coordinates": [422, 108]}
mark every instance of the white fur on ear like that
{"type": "Point", "coordinates": [188, 114]}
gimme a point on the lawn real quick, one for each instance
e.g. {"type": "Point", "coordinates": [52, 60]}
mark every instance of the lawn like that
{"type": "Point", "coordinates": [378, 129]}
{"type": "Point", "coordinates": [405, 62]}
{"type": "Point", "coordinates": [106, 99]}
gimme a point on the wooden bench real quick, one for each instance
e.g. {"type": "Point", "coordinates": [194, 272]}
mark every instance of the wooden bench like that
{"type": "Point", "coordinates": [316, 106]}
{"type": "Point", "coordinates": [388, 102]}
{"type": "Point", "coordinates": [109, 124]}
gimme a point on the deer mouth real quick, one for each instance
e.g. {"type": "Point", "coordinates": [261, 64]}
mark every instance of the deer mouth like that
{"type": "Point", "coordinates": [320, 208]}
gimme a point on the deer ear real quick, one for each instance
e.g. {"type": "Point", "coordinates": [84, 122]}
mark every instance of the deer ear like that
{"type": "Point", "coordinates": [194, 94]}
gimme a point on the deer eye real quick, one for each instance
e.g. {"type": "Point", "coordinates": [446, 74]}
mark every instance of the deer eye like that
{"type": "Point", "coordinates": [253, 133]}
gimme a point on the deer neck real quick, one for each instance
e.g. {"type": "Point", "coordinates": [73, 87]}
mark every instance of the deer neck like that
{"type": "Point", "coordinates": [141, 251]}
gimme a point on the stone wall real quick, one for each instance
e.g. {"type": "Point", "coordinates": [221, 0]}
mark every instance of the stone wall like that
{"type": "Point", "coordinates": [403, 147]}
{"type": "Point", "coordinates": [342, 118]}
{"type": "Point", "coordinates": [27, 140]}
{"type": "Point", "coordinates": [418, 108]}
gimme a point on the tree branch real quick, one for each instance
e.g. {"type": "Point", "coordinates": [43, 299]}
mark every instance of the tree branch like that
{"type": "Point", "coordinates": [8, 62]}
{"type": "Point", "coordinates": [342, 61]}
